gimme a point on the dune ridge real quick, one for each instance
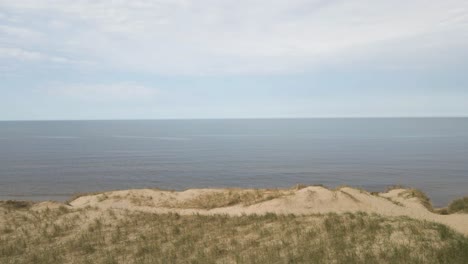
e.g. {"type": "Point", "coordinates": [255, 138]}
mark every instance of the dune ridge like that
{"type": "Point", "coordinates": [298, 201]}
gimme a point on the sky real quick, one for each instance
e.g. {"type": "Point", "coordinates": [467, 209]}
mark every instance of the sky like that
{"type": "Point", "coordinates": [182, 59]}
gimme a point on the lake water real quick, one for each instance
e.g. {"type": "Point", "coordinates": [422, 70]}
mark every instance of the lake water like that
{"type": "Point", "coordinates": [54, 159]}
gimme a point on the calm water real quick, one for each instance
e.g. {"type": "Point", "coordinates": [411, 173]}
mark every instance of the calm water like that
{"type": "Point", "coordinates": [52, 160]}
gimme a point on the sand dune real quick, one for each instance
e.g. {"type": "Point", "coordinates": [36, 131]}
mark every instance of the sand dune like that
{"type": "Point", "coordinates": [302, 201]}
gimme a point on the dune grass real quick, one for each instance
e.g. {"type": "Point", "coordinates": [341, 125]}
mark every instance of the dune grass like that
{"type": "Point", "coordinates": [458, 206]}
{"type": "Point", "coordinates": [420, 195]}
{"type": "Point", "coordinates": [117, 236]}
{"type": "Point", "coordinates": [230, 198]}
{"type": "Point", "coordinates": [11, 204]}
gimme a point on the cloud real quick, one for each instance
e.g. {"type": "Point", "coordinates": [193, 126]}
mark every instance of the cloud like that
{"type": "Point", "coordinates": [20, 54]}
{"type": "Point", "coordinates": [26, 55]}
{"type": "Point", "coordinates": [118, 92]}
{"type": "Point", "coordinates": [239, 37]}
{"type": "Point", "coordinates": [23, 33]}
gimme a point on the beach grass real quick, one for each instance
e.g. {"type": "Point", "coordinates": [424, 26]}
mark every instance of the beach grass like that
{"type": "Point", "coordinates": [230, 197]}
{"type": "Point", "coordinates": [91, 235]}
{"type": "Point", "coordinates": [458, 206]}
{"type": "Point", "coordinates": [420, 195]}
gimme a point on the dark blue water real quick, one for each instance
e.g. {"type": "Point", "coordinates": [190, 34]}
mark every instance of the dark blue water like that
{"type": "Point", "coordinates": [52, 160]}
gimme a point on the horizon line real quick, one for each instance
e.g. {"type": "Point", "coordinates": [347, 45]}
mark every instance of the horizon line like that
{"type": "Point", "coordinates": [237, 118]}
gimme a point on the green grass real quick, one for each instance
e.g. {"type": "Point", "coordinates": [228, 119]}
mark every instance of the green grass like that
{"type": "Point", "coordinates": [90, 236]}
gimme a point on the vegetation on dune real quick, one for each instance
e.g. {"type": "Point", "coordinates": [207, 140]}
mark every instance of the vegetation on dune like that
{"type": "Point", "coordinates": [420, 195]}
{"type": "Point", "coordinates": [458, 206]}
{"type": "Point", "coordinates": [11, 204]}
{"type": "Point", "coordinates": [395, 186]}
{"type": "Point", "coordinates": [116, 236]}
{"type": "Point", "coordinates": [230, 198]}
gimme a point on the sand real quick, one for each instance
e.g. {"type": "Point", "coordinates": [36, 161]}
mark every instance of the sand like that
{"type": "Point", "coordinates": [308, 200]}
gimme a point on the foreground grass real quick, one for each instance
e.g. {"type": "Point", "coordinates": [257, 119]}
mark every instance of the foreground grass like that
{"type": "Point", "coordinates": [92, 236]}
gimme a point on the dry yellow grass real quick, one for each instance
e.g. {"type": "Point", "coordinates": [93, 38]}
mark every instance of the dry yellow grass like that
{"type": "Point", "coordinates": [229, 197]}
{"type": "Point", "coordinates": [222, 226]}
{"type": "Point", "coordinates": [89, 235]}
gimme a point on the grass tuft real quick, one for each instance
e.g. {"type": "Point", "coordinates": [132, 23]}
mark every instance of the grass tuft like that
{"type": "Point", "coordinates": [458, 206]}
{"type": "Point", "coordinates": [10, 204]}
{"type": "Point", "coordinates": [230, 198]}
{"type": "Point", "coordinates": [420, 195]}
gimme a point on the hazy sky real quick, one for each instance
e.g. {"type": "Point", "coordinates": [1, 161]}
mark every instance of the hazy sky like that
{"type": "Point", "coordinates": [102, 59]}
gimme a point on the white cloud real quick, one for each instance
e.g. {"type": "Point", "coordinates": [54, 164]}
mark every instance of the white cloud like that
{"type": "Point", "coordinates": [20, 54]}
{"type": "Point", "coordinates": [227, 36]}
{"type": "Point", "coordinates": [104, 92]}
{"type": "Point", "coordinates": [23, 33]}
{"type": "Point", "coordinates": [27, 55]}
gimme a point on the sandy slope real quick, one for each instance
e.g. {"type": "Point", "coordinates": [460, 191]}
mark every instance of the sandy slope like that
{"type": "Point", "coordinates": [309, 200]}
